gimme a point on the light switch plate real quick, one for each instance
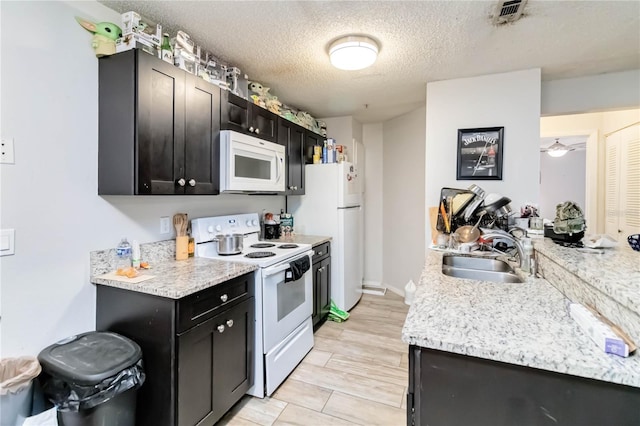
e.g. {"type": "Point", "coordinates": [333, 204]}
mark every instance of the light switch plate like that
{"type": "Point", "coordinates": [7, 242]}
{"type": "Point", "coordinates": [6, 153]}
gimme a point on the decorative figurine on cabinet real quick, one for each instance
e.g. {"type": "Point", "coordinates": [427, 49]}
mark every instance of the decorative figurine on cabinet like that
{"type": "Point", "coordinates": [104, 38]}
{"type": "Point", "coordinates": [263, 98]}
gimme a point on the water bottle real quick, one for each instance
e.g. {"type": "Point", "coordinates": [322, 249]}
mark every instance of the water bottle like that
{"type": "Point", "coordinates": [123, 254]}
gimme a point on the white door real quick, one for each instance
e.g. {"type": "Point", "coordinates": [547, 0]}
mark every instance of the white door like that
{"type": "Point", "coordinates": [622, 183]}
{"type": "Point", "coordinates": [350, 224]}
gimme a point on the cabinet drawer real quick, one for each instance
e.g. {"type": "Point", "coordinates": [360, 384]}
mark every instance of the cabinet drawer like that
{"type": "Point", "coordinates": [201, 306]}
{"type": "Point", "coordinates": [320, 251]}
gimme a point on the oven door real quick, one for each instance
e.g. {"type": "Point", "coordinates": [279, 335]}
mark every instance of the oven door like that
{"type": "Point", "coordinates": [285, 305]}
{"type": "Point", "coordinates": [249, 164]}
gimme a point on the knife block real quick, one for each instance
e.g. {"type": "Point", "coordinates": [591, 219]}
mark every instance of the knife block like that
{"type": "Point", "coordinates": [182, 247]}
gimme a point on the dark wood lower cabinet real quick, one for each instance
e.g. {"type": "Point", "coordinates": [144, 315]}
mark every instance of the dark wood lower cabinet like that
{"type": "Point", "coordinates": [197, 351]}
{"type": "Point", "coordinates": [321, 283]}
{"type": "Point", "coordinates": [450, 389]}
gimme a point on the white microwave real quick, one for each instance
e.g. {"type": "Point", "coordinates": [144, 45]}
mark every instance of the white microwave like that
{"type": "Point", "coordinates": [249, 164]}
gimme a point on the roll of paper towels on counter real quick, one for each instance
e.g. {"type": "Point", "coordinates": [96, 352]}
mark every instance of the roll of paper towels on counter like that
{"type": "Point", "coordinates": [409, 292]}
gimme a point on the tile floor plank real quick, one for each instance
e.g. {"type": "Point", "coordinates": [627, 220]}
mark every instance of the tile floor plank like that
{"type": "Point", "coordinates": [317, 357]}
{"type": "Point", "coordinates": [303, 394]}
{"type": "Point", "coordinates": [376, 371]}
{"type": "Point", "coordinates": [363, 411]}
{"type": "Point", "coordinates": [295, 415]}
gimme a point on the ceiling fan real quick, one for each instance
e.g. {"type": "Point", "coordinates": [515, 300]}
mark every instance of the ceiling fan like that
{"type": "Point", "coordinates": [557, 149]}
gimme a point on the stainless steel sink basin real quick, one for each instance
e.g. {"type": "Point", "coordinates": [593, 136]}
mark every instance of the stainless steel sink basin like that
{"type": "Point", "coordinates": [479, 268]}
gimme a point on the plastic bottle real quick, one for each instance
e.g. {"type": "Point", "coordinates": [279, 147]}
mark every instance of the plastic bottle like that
{"type": "Point", "coordinates": [409, 292]}
{"type": "Point", "coordinates": [135, 254]}
{"type": "Point", "coordinates": [527, 248]}
{"type": "Point", "coordinates": [123, 254]}
{"type": "Point", "coordinates": [165, 49]}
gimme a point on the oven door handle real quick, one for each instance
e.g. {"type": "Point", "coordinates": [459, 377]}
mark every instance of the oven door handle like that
{"type": "Point", "coordinates": [279, 268]}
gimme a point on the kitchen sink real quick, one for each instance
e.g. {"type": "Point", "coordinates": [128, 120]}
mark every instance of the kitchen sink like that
{"type": "Point", "coordinates": [479, 268]}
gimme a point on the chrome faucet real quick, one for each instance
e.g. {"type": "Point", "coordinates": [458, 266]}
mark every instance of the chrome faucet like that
{"type": "Point", "coordinates": [511, 238]}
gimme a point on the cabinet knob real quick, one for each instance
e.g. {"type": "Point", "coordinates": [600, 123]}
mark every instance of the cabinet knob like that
{"type": "Point", "coordinates": [181, 182]}
{"type": "Point", "coordinates": [251, 129]}
{"type": "Point", "coordinates": [224, 297]}
{"type": "Point", "coordinates": [257, 131]}
{"type": "Point", "coordinates": [229, 323]}
{"type": "Point", "coordinates": [192, 182]}
{"type": "Point", "coordinates": [221, 328]}
{"type": "Point", "coordinates": [295, 187]}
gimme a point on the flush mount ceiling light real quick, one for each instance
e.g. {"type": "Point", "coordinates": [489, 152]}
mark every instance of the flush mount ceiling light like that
{"type": "Point", "coordinates": [558, 149]}
{"type": "Point", "coordinates": [353, 52]}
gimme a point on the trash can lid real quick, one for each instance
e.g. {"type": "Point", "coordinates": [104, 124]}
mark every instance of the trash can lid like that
{"type": "Point", "coordinates": [89, 358]}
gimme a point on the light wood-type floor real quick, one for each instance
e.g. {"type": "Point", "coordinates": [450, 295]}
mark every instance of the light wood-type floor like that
{"type": "Point", "coordinates": [356, 373]}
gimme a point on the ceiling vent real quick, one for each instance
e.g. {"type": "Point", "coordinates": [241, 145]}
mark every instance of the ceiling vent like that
{"type": "Point", "coordinates": [508, 11]}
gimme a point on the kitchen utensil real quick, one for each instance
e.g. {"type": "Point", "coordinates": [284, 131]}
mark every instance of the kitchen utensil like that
{"type": "Point", "coordinates": [475, 202]}
{"type": "Point", "coordinates": [493, 204]}
{"type": "Point", "coordinates": [444, 217]}
{"type": "Point", "coordinates": [433, 218]}
{"type": "Point", "coordinates": [468, 233]}
{"type": "Point", "coordinates": [178, 220]}
{"type": "Point", "coordinates": [185, 223]}
{"type": "Point", "coordinates": [230, 243]}
{"type": "Point", "coordinates": [450, 203]}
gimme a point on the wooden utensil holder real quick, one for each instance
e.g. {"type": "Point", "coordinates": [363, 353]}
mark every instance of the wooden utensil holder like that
{"type": "Point", "coordinates": [182, 247]}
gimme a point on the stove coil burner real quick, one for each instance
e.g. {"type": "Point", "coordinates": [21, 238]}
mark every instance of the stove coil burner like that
{"type": "Point", "coordinates": [288, 246]}
{"type": "Point", "coordinates": [262, 245]}
{"type": "Point", "coordinates": [260, 254]}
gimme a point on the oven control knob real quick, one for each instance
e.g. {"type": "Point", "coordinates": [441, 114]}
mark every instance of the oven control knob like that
{"type": "Point", "coordinates": [218, 228]}
{"type": "Point", "coordinates": [248, 223]}
{"type": "Point", "coordinates": [221, 328]}
{"type": "Point", "coordinates": [210, 229]}
{"type": "Point", "coordinates": [254, 223]}
{"type": "Point", "coordinates": [224, 298]}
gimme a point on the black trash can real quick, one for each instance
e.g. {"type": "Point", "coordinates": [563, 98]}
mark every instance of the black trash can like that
{"type": "Point", "coordinates": [93, 379]}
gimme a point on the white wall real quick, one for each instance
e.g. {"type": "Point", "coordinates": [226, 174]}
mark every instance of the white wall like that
{"type": "Point", "coordinates": [344, 130]}
{"type": "Point", "coordinates": [50, 107]}
{"type": "Point", "coordinates": [511, 100]}
{"type": "Point", "coordinates": [561, 179]}
{"type": "Point", "coordinates": [403, 199]}
{"type": "Point", "coordinates": [373, 217]}
{"type": "Point", "coordinates": [602, 92]}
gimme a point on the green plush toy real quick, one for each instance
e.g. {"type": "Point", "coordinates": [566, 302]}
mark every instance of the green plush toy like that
{"type": "Point", "coordinates": [105, 35]}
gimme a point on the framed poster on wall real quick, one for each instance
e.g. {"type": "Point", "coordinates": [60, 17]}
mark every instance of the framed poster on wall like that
{"type": "Point", "coordinates": [480, 153]}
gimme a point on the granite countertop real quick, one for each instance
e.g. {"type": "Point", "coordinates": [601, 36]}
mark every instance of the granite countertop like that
{"type": "Point", "coordinates": [177, 279]}
{"type": "Point", "coordinates": [314, 240]}
{"type": "Point", "coordinates": [615, 273]}
{"type": "Point", "coordinates": [526, 324]}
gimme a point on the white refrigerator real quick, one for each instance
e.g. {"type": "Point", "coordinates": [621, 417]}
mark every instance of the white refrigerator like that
{"type": "Point", "coordinates": [332, 206]}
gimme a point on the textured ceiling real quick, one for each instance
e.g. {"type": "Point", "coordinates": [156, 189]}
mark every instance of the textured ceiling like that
{"type": "Point", "coordinates": [283, 45]}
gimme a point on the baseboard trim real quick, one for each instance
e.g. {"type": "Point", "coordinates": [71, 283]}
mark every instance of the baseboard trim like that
{"type": "Point", "coordinates": [375, 288]}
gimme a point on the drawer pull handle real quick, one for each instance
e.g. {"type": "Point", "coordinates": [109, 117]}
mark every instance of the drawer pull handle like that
{"type": "Point", "coordinates": [221, 328]}
{"type": "Point", "coordinates": [229, 323]}
{"type": "Point", "coordinates": [224, 298]}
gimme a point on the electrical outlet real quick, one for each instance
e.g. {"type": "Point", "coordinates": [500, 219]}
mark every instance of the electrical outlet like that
{"type": "Point", "coordinates": [165, 225]}
{"type": "Point", "coordinates": [6, 154]}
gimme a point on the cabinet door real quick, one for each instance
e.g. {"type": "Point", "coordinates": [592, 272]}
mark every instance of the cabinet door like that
{"type": "Point", "coordinates": [324, 288]}
{"type": "Point", "coordinates": [201, 170]}
{"type": "Point", "coordinates": [161, 118]}
{"type": "Point", "coordinates": [233, 354]}
{"type": "Point", "coordinates": [234, 112]}
{"type": "Point", "coordinates": [311, 139]}
{"type": "Point", "coordinates": [215, 360]}
{"type": "Point", "coordinates": [292, 136]}
{"type": "Point", "coordinates": [263, 123]}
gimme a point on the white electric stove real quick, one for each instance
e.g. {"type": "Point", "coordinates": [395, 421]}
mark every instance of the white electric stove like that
{"type": "Point", "coordinates": [283, 304]}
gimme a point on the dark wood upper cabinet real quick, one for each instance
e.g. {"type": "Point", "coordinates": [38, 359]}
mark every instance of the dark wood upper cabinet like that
{"type": "Point", "coordinates": [246, 117]}
{"type": "Point", "coordinates": [159, 128]}
{"type": "Point", "coordinates": [292, 137]}
{"type": "Point", "coordinates": [311, 139]}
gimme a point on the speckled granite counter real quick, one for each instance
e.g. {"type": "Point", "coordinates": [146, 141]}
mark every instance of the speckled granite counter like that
{"type": "Point", "coordinates": [609, 282]}
{"type": "Point", "coordinates": [172, 279]}
{"type": "Point", "coordinates": [304, 239]}
{"type": "Point", "coordinates": [524, 324]}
